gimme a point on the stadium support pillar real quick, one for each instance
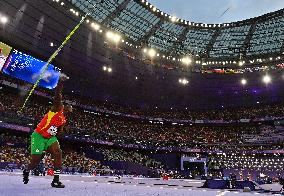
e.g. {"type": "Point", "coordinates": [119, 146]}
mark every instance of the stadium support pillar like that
{"type": "Point", "coordinates": [115, 13]}
{"type": "Point", "coordinates": [246, 44]}
{"type": "Point", "coordinates": [151, 32]}
{"type": "Point", "coordinates": [212, 41]}
{"type": "Point", "coordinates": [178, 46]}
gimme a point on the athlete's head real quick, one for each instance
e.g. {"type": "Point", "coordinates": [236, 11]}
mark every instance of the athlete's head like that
{"type": "Point", "coordinates": [68, 109]}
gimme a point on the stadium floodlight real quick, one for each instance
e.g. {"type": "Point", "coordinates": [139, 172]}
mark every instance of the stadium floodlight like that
{"type": "Point", "coordinates": [152, 53]}
{"type": "Point", "coordinates": [113, 37]}
{"type": "Point", "coordinates": [95, 26]}
{"type": "Point", "coordinates": [183, 81]}
{"type": "Point", "coordinates": [241, 63]}
{"type": "Point", "coordinates": [243, 81]}
{"type": "Point", "coordinates": [3, 19]}
{"type": "Point", "coordinates": [117, 38]}
{"type": "Point", "coordinates": [266, 79]}
{"type": "Point", "coordinates": [173, 19]}
{"type": "Point", "coordinates": [186, 60]}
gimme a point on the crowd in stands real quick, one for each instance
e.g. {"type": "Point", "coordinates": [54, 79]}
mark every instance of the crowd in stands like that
{"type": "Point", "coordinates": [73, 161]}
{"type": "Point", "coordinates": [135, 157]}
{"type": "Point", "coordinates": [10, 154]}
{"type": "Point", "coordinates": [105, 127]}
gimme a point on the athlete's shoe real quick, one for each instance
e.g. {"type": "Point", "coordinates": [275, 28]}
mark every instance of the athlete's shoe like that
{"type": "Point", "coordinates": [26, 176]}
{"type": "Point", "coordinates": [57, 184]}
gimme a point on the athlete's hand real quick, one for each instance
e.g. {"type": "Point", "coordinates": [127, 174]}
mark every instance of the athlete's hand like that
{"type": "Point", "coordinates": [63, 77]}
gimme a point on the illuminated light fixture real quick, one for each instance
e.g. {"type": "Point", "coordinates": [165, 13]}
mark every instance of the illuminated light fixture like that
{"type": "Point", "coordinates": [271, 58]}
{"type": "Point", "coordinates": [113, 37]}
{"type": "Point", "coordinates": [243, 81]}
{"type": "Point", "coordinates": [145, 50]}
{"type": "Point", "coordinates": [154, 9]}
{"type": "Point", "coordinates": [77, 13]}
{"type": "Point", "coordinates": [51, 44]}
{"type": "Point", "coordinates": [62, 3]}
{"type": "Point", "coordinates": [122, 41]}
{"type": "Point", "coordinates": [266, 79]}
{"type": "Point", "coordinates": [174, 59]}
{"type": "Point", "coordinates": [183, 81]}
{"type": "Point", "coordinates": [95, 26]}
{"type": "Point", "coordinates": [101, 31]}
{"type": "Point", "coordinates": [186, 60]}
{"type": "Point", "coordinates": [104, 68]}
{"type": "Point", "coordinates": [57, 1]}
{"type": "Point", "coordinates": [136, 78]}
{"type": "Point", "coordinates": [152, 53]}
{"type": "Point", "coordinates": [3, 19]}
{"type": "Point", "coordinates": [241, 63]}
{"type": "Point", "coordinates": [88, 21]}
{"type": "Point", "coordinates": [158, 54]}
{"type": "Point", "coordinates": [173, 19]}
{"type": "Point", "coordinates": [109, 69]}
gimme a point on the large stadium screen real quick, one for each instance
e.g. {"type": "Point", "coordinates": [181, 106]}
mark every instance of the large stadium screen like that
{"type": "Point", "coordinates": [4, 53]}
{"type": "Point", "coordinates": [29, 69]}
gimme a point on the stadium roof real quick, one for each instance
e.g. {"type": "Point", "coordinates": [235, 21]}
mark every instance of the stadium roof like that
{"type": "Point", "coordinates": [146, 25]}
{"type": "Point", "coordinates": [221, 11]}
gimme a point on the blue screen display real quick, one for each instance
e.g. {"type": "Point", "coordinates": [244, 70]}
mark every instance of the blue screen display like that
{"type": "Point", "coordinates": [28, 68]}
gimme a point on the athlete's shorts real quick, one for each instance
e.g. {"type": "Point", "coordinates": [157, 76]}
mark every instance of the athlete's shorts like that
{"type": "Point", "coordinates": [40, 144]}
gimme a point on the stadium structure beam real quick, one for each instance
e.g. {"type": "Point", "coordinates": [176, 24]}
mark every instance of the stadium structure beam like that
{"type": "Point", "coordinates": [112, 15]}
{"type": "Point", "coordinates": [282, 48]}
{"type": "Point", "coordinates": [151, 32]}
{"type": "Point", "coordinates": [212, 41]}
{"type": "Point", "coordinates": [181, 39]}
{"type": "Point", "coordinates": [246, 44]}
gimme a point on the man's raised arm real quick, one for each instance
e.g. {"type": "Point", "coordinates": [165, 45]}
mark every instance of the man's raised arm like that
{"type": "Point", "coordinates": [57, 99]}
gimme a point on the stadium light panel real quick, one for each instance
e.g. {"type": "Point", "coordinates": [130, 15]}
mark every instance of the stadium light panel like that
{"type": "Point", "coordinates": [241, 63]}
{"type": "Point", "coordinates": [266, 79]}
{"type": "Point", "coordinates": [243, 81]}
{"type": "Point", "coordinates": [3, 19]}
{"type": "Point", "coordinates": [152, 53]}
{"type": "Point", "coordinates": [183, 81]}
{"type": "Point", "coordinates": [186, 60]}
{"type": "Point", "coordinates": [173, 19]}
{"type": "Point", "coordinates": [95, 26]}
{"type": "Point", "coordinates": [113, 37]}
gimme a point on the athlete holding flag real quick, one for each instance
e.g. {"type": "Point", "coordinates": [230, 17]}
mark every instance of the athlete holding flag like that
{"type": "Point", "coordinates": [44, 137]}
